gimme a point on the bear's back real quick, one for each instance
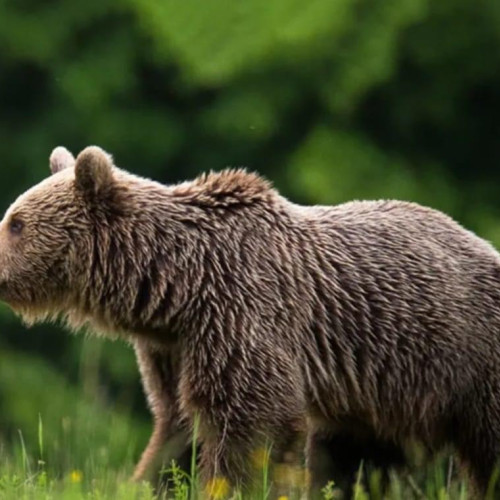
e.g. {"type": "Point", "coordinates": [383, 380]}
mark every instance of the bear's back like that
{"type": "Point", "coordinates": [405, 267]}
{"type": "Point", "coordinates": [399, 225]}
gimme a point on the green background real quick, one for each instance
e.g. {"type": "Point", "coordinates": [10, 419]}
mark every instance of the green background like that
{"type": "Point", "coordinates": [332, 100]}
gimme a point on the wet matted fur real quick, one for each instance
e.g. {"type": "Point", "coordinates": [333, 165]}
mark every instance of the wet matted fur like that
{"type": "Point", "coordinates": [271, 321]}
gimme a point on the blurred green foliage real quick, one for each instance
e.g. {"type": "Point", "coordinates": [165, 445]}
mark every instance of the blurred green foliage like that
{"type": "Point", "coordinates": [330, 99]}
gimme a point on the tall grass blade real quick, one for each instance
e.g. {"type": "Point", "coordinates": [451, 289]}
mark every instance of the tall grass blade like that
{"type": "Point", "coordinates": [40, 436]}
{"type": "Point", "coordinates": [24, 456]}
{"type": "Point", "coordinates": [193, 493]}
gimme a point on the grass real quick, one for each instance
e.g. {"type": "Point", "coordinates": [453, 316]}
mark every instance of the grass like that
{"type": "Point", "coordinates": [25, 476]}
{"type": "Point", "coordinates": [15, 483]}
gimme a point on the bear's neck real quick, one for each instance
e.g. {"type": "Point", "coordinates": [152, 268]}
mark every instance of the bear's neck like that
{"type": "Point", "coordinates": [141, 273]}
{"type": "Point", "coordinates": [153, 270]}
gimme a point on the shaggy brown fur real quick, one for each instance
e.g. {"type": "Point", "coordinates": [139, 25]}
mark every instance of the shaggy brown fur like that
{"type": "Point", "coordinates": [270, 320]}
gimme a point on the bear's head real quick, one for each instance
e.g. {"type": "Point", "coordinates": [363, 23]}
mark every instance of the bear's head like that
{"type": "Point", "coordinates": [46, 234]}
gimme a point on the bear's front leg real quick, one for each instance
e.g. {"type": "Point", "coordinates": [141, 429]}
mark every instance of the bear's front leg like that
{"type": "Point", "coordinates": [159, 377]}
{"type": "Point", "coordinates": [252, 460]}
{"type": "Point", "coordinates": [252, 418]}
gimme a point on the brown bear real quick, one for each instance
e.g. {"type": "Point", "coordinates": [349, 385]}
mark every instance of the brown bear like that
{"type": "Point", "coordinates": [271, 321]}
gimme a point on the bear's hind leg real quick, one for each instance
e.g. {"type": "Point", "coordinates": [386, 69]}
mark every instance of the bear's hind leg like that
{"type": "Point", "coordinates": [338, 457]}
{"type": "Point", "coordinates": [476, 434]}
{"type": "Point", "coordinates": [480, 458]}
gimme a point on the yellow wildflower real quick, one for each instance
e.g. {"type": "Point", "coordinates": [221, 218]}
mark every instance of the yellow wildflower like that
{"type": "Point", "coordinates": [291, 475]}
{"type": "Point", "coordinates": [260, 458]}
{"type": "Point", "coordinates": [283, 497]}
{"type": "Point", "coordinates": [217, 488]}
{"type": "Point", "coordinates": [76, 476]}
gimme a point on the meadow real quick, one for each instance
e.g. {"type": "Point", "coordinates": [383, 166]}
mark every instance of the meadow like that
{"type": "Point", "coordinates": [91, 477]}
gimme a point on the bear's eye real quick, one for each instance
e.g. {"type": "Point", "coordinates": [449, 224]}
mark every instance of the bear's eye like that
{"type": "Point", "coordinates": [16, 226]}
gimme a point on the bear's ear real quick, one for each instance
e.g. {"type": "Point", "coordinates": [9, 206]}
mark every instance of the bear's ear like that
{"type": "Point", "coordinates": [60, 159]}
{"type": "Point", "coordinates": [93, 171]}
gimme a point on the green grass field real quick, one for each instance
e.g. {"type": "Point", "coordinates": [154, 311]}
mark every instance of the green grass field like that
{"type": "Point", "coordinates": [24, 478]}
